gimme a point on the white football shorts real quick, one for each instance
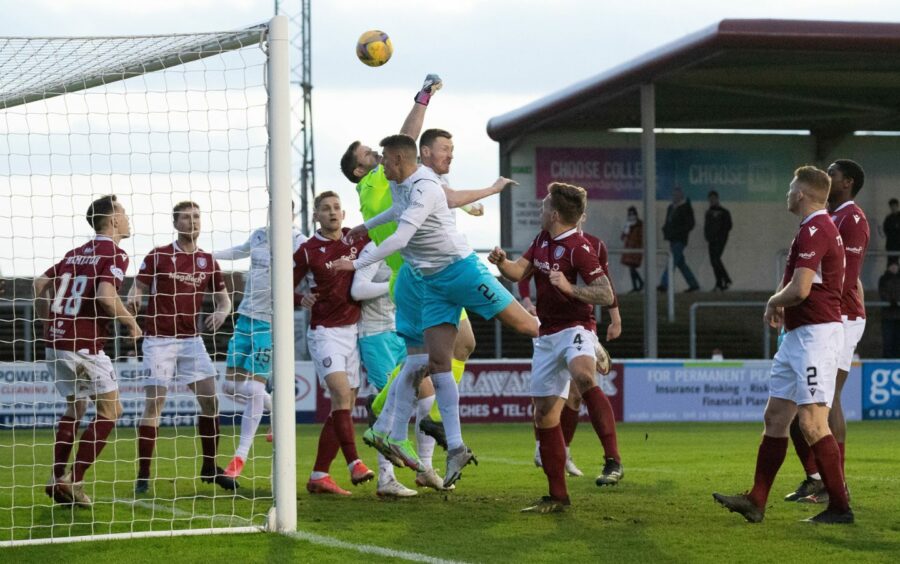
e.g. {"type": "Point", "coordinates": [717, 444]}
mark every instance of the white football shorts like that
{"type": "Point", "coordinates": [80, 374]}
{"type": "Point", "coordinates": [334, 349]}
{"type": "Point", "coordinates": [550, 374]}
{"type": "Point", "coordinates": [853, 332]}
{"type": "Point", "coordinates": [805, 366]}
{"type": "Point", "coordinates": [168, 360]}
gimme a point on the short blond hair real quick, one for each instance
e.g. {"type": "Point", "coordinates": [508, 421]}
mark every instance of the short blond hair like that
{"type": "Point", "coordinates": [816, 180]}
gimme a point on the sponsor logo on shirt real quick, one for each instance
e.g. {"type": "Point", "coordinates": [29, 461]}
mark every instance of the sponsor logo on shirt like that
{"type": "Point", "coordinates": [117, 272]}
{"type": "Point", "coordinates": [812, 230]}
{"type": "Point", "coordinates": [542, 266]}
{"type": "Point", "coordinates": [586, 248]}
{"type": "Point", "coordinates": [88, 250]}
{"type": "Point", "coordinates": [598, 270]}
{"type": "Point", "coordinates": [544, 244]}
{"type": "Point", "coordinates": [195, 279]}
{"type": "Point", "coordinates": [856, 218]}
{"type": "Point", "coordinates": [854, 250]}
{"type": "Point", "coordinates": [807, 256]}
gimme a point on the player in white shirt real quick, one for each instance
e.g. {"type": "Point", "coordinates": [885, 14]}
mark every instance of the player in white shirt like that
{"type": "Point", "coordinates": [249, 361]}
{"type": "Point", "coordinates": [452, 277]}
{"type": "Point", "coordinates": [380, 348]}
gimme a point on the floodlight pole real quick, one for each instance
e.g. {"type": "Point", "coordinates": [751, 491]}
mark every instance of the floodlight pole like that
{"type": "Point", "coordinates": [284, 480]}
{"type": "Point", "coordinates": [648, 158]}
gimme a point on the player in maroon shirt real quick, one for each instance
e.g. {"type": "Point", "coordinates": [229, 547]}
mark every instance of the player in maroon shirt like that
{"type": "Point", "coordinates": [332, 339]}
{"type": "Point", "coordinates": [603, 415]}
{"type": "Point", "coordinates": [77, 298]}
{"type": "Point", "coordinates": [177, 276]}
{"type": "Point", "coordinates": [802, 381]}
{"type": "Point", "coordinates": [847, 179]}
{"type": "Point", "coordinates": [565, 348]}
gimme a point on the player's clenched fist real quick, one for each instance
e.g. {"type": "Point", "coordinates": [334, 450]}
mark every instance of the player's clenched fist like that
{"type": "Point", "coordinates": [561, 283]}
{"type": "Point", "coordinates": [497, 256]}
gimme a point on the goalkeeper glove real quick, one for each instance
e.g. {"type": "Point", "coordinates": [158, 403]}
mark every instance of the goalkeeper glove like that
{"type": "Point", "coordinates": [431, 85]}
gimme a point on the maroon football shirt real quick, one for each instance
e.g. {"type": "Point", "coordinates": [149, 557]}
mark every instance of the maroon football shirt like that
{"type": "Point", "coordinates": [818, 247]}
{"type": "Point", "coordinates": [854, 229]}
{"type": "Point", "coordinates": [571, 254]}
{"type": "Point", "coordinates": [334, 307]}
{"type": "Point", "coordinates": [77, 320]}
{"type": "Point", "coordinates": [178, 281]}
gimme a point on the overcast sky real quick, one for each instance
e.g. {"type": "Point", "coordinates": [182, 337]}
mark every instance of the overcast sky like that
{"type": "Point", "coordinates": [494, 56]}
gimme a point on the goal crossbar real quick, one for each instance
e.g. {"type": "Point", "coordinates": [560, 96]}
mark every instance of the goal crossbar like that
{"type": "Point", "coordinates": [191, 49]}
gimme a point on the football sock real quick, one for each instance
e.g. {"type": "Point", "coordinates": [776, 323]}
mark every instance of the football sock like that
{"type": "Point", "coordinates": [343, 429]}
{"type": "Point", "coordinates": [424, 443]}
{"type": "Point", "coordinates": [62, 446]}
{"type": "Point", "coordinates": [378, 403]}
{"type": "Point", "coordinates": [255, 391]}
{"type": "Point", "coordinates": [603, 420]}
{"type": "Point", "coordinates": [769, 458]}
{"type": "Point", "coordinates": [804, 452]}
{"type": "Point", "coordinates": [458, 368]}
{"type": "Point", "coordinates": [328, 448]}
{"type": "Point", "coordinates": [568, 420]}
{"type": "Point", "coordinates": [405, 396]}
{"type": "Point", "coordinates": [841, 448]}
{"type": "Point", "coordinates": [146, 443]}
{"type": "Point", "coordinates": [828, 458]}
{"type": "Point", "coordinates": [208, 429]}
{"type": "Point", "coordinates": [553, 457]}
{"type": "Point", "coordinates": [91, 445]}
{"type": "Point", "coordinates": [385, 469]}
{"type": "Point", "coordinates": [385, 413]}
{"type": "Point", "coordinates": [448, 402]}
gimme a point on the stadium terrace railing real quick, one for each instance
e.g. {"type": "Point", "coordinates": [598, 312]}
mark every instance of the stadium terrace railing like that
{"type": "Point", "coordinates": [767, 331]}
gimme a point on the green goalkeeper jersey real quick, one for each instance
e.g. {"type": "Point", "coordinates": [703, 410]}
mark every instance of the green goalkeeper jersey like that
{"type": "Point", "coordinates": [374, 190]}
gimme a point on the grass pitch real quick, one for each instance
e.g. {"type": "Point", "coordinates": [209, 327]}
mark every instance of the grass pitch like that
{"type": "Point", "coordinates": [661, 512]}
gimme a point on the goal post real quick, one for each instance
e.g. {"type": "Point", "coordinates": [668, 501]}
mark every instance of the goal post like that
{"type": "Point", "coordinates": [155, 120]}
{"type": "Point", "coordinates": [285, 470]}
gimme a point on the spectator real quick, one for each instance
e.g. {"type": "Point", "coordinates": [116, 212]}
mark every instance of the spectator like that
{"type": "Point", "coordinates": [715, 228]}
{"type": "Point", "coordinates": [889, 290]}
{"type": "Point", "coordinates": [633, 238]}
{"type": "Point", "coordinates": [679, 223]}
{"type": "Point", "coordinates": [892, 230]}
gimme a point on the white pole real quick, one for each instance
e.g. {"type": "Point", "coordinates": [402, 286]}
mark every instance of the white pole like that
{"type": "Point", "coordinates": [648, 154]}
{"type": "Point", "coordinates": [280, 241]}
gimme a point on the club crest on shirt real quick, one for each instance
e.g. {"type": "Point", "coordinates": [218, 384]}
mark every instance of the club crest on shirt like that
{"type": "Point", "coordinates": [558, 252]}
{"type": "Point", "coordinates": [201, 262]}
{"type": "Point", "coordinates": [327, 362]}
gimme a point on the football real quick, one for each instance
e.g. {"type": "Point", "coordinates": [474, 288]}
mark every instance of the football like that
{"type": "Point", "coordinates": [374, 48]}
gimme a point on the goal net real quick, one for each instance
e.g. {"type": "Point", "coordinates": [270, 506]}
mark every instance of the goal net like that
{"type": "Point", "coordinates": [154, 120]}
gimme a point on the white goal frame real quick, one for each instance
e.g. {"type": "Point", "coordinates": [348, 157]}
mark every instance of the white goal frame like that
{"type": "Point", "coordinates": [274, 39]}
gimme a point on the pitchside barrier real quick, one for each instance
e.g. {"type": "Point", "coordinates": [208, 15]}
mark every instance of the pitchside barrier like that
{"type": "Point", "coordinates": [495, 391]}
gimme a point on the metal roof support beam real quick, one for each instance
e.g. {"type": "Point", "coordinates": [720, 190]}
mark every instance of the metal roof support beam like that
{"type": "Point", "coordinates": [648, 158]}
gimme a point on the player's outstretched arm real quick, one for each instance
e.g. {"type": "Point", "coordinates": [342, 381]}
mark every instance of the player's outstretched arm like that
{"type": "Point", "coordinates": [412, 125]}
{"type": "Point", "coordinates": [372, 255]}
{"type": "Point", "coordinates": [241, 251]}
{"type": "Point", "coordinates": [461, 198]}
{"type": "Point", "coordinates": [110, 301]}
{"type": "Point", "coordinates": [223, 309]}
{"type": "Point", "coordinates": [598, 292]}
